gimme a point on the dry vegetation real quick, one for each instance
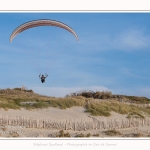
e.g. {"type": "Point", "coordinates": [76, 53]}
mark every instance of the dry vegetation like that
{"type": "Point", "coordinates": [112, 132]}
{"type": "Point", "coordinates": [97, 103]}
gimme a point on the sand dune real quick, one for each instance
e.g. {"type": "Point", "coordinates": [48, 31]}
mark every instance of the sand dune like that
{"type": "Point", "coordinates": [49, 113]}
{"type": "Point", "coordinates": [74, 113]}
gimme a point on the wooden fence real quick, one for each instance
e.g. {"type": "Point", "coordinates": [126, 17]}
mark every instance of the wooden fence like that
{"type": "Point", "coordinates": [76, 125]}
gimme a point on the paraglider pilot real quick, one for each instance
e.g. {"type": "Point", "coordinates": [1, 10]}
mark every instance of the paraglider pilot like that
{"type": "Point", "coordinates": [42, 77]}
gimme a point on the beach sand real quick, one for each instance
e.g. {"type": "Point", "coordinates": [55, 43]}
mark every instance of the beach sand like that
{"type": "Point", "coordinates": [74, 113]}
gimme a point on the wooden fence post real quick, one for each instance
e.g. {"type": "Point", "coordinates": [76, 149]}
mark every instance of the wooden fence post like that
{"type": "Point", "coordinates": [74, 125]}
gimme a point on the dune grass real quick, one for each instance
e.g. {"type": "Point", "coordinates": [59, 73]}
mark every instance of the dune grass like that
{"type": "Point", "coordinates": [40, 102]}
{"type": "Point", "coordinates": [63, 134]}
{"type": "Point", "coordinates": [67, 102]}
{"type": "Point", "coordinates": [138, 100]}
{"type": "Point", "coordinates": [101, 108]}
{"type": "Point", "coordinates": [112, 132]}
{"type": "Point", "coordinates": [136, 135]}
{"type": "Point", "coordinates": [105, 108]}
{"type": "Point", "coordinates": [61, 103]}
{"type": "Point", "coordinates": [13, 99]}
{"type": "Point", "coordinates": [135, 114]}
{"type": "Point", "coordinates": [98, 109]}
{"type": "Point", "coordinates": [6, 104]}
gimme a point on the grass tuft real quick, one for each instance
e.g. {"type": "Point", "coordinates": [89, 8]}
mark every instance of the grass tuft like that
{"type": "Point", "coordinates": [63, 134]}
{"type": "Point", "coordinates": [112, 132]}
{"type": "Point", "coordinates": [80, 135]}
{"type": "Point", "coordinates": [137, 135]}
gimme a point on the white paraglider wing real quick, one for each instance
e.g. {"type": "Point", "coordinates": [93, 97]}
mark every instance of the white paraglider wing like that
{"type": "Point", "coordinates": [42, 22]}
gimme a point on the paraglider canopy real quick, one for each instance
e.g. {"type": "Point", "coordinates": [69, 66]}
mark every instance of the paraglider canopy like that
{"type": "Point", "coordinates": [37, 23]}
{"type": "Point", "coordinates": [41, 22]}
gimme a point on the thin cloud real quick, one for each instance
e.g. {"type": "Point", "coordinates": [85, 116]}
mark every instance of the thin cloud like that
{"type": "Point", "coordinates": [134, 75]}
{"type": "Point", "coordinates": [132, 39]}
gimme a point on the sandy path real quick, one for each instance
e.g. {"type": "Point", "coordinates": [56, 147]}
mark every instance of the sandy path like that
{"type": "Point", "coordinates": [49, 113]}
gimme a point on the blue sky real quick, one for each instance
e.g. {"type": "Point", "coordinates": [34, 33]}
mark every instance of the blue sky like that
{"type": "Point", "coordinates": [112, 53]}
